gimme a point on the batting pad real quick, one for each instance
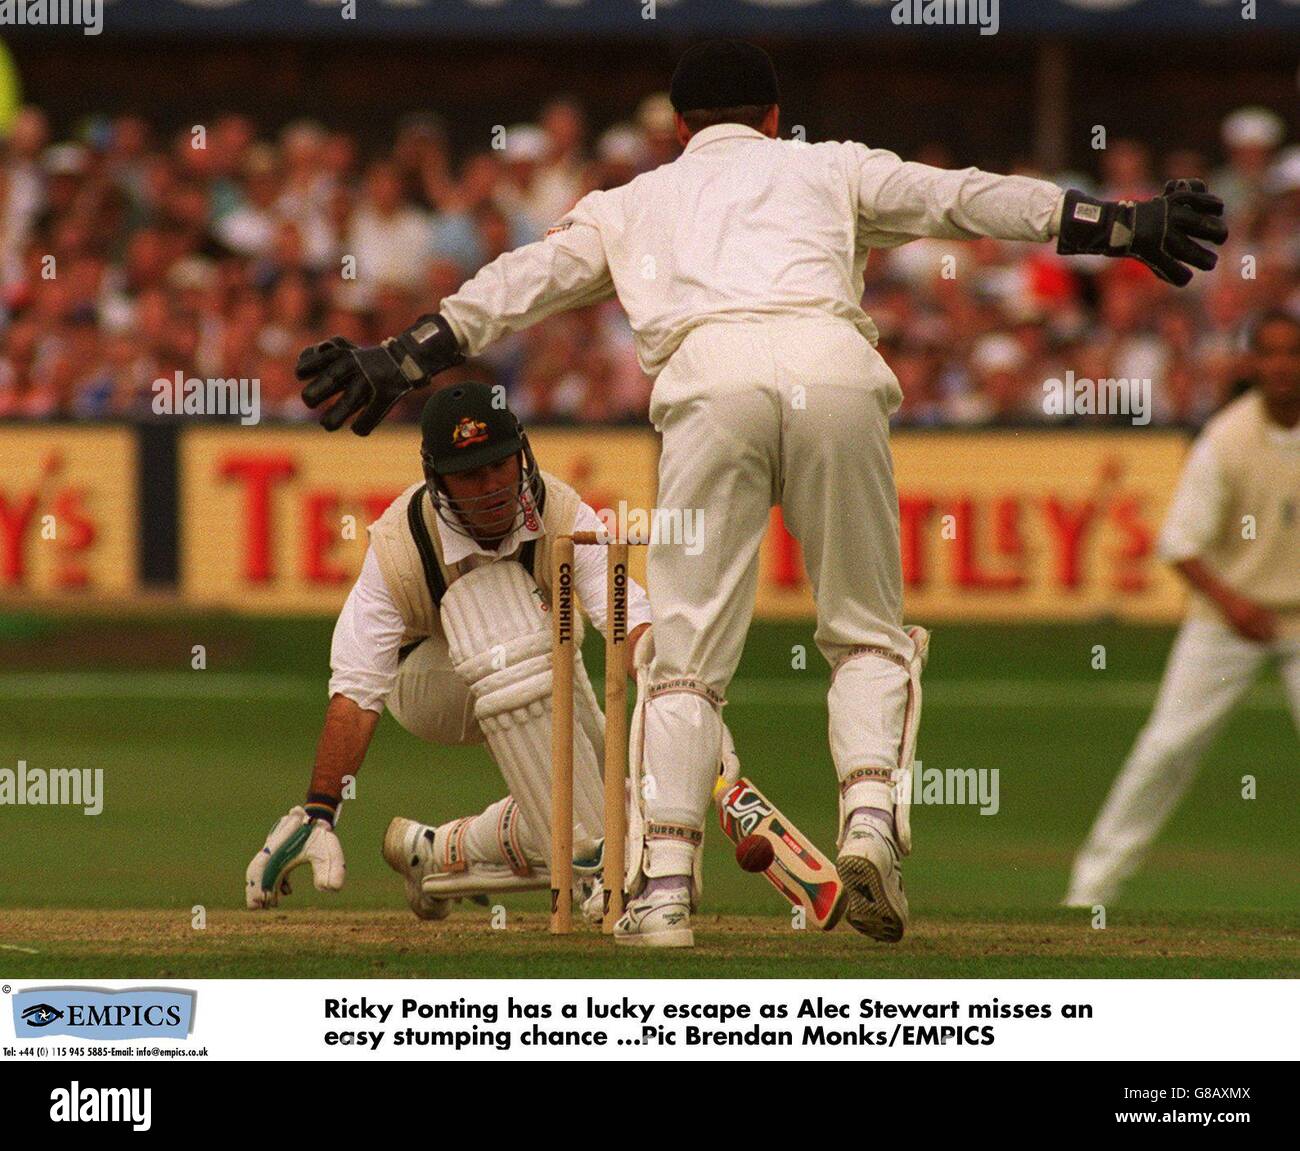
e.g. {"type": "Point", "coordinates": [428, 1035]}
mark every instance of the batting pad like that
{"type": "Point", "coordinates": [639, 867]}
{"type": "Point", "coordinates": [499, 639]}
{"type": "Point", "coordinates": [875, 712]}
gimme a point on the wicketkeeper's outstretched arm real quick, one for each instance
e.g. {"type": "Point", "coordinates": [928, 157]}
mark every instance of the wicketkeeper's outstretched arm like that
{"type": "Point", "coordinates": [899, 201]}
{"type": "Point", "coordinates": [565, 270]}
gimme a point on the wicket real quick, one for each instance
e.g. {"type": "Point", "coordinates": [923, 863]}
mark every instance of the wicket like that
{"type": "Point", "coordinates": [616, 729]}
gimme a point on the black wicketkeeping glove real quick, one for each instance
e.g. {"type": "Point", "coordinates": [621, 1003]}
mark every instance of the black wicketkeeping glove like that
{"type": "Point", "coordinates": [374, 378]}
{"type": "Point", "coordinates": [1159, 232]}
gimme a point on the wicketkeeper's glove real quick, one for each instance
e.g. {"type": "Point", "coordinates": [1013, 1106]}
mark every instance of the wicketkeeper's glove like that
{"type": "Point", "coordinates": [374, 378]}
{"type": "Point", "coordinates": [1159, 232]}
{"type": "Point", "coordinates": [294, 840]}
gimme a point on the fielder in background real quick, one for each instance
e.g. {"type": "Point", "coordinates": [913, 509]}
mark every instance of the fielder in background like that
{"type": "Point", "coordinates": [448, 626]}
{"type": "Point", "coordinates": [1233, 532]}
{"type": "Point", "coordinates": [740, 266]}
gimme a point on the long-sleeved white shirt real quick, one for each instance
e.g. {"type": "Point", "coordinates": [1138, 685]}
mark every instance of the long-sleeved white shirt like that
{"type": "Point", "coordinates": [742, 226]}
{"type": "Point", "coordinates": [368, 635]}
{"type": "Point", "coordinates": [1196, 516]}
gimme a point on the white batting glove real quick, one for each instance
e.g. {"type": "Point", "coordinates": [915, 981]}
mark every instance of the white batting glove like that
{"type": "Point", "coordinates": [295, 840]}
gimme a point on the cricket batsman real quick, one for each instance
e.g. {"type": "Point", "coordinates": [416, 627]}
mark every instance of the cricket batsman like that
{"type": "Point", "coordinates": [448, 627]}
{"type": "Point", "coordinates": [1233, 533]}
{"type": "Point", "coordinates": [740, 266]}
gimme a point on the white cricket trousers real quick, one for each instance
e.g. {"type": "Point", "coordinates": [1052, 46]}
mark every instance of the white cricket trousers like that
{"type": "Point", "coordinates": [1210, 668]}
{"type": "Point", "coordinates": [788, 412]}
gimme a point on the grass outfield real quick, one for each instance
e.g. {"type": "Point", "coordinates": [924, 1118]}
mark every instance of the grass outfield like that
{"type": "Point", "coordinates": [199, 764]}
{"type": "Point", "coordinates": [311, 943]}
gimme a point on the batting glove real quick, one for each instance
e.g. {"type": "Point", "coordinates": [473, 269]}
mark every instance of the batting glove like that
{"type": "Point", "coordinates": [1159, 232]}
{"type": "Point", "coordinates": [294, 840]}
{"type": "Point", "coordinates": [374, 378]}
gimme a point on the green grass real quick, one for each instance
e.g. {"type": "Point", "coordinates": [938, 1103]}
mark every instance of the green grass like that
{"type": "Point", "coordinates": [199, 764]}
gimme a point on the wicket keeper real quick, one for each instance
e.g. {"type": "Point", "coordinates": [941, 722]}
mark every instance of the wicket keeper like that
{"type": "Point", "coordinates": [740, 266]}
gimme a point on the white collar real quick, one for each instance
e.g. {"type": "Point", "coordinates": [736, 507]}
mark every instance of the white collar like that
{"type": "Point", "coordinates": [706, 136]}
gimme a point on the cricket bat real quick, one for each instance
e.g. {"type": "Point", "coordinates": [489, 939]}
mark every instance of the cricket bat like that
{"type": "Point", "coordinates": [798, 870]}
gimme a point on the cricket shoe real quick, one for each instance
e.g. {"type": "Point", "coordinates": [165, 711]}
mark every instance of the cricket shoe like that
{"type": "Point", "coordinates": [589, 895]}
{"type": "Point", "coordinates": [657, 919]}
{"type": "Point", "coordinates": [409, 851]}
{"type": "Point", "coordinates": [868, 867]}
{"type": "Point", "coordinates": [589, 886]}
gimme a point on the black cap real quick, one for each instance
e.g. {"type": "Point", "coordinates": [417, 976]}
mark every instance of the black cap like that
{"type": "Point", "coordinates": [467, 426]}
{"type": "Point", "coordinates": [723, 74]}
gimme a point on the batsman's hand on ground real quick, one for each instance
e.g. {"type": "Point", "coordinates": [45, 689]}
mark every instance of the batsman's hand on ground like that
{"type": "Point", "coordinates": [371, 380]}
{"type": "Point", "coordinates": [1162, 232]}
{"type": "Point", "coordinates": [293, 841]}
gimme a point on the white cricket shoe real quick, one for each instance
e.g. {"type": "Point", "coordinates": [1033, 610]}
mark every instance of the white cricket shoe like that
{"type": "Point", "coordinates": [869, 868]}
{"type": "Point", "coordinates": [658, 919]}
{"type": "Point", "coordinates": [589, 895]}
{"type": "Point", "coordinates": [408, 850]}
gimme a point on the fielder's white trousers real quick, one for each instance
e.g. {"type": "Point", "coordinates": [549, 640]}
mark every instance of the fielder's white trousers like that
{"type": "Point", "coordinates": [788, 412]}
{"type": "Point", "coordinates": [1210, 668]}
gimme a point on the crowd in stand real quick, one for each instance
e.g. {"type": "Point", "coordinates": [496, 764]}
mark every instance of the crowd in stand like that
{"type": "Point", "coordinates": [126, 258]}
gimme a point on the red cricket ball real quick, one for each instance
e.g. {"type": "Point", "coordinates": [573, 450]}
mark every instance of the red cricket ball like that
{"type": "Point", "coordinates": [754, 853]}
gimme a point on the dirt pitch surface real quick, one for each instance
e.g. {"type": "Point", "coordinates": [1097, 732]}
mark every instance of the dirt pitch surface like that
{"type": "Point", "coordinates": [126, 944]}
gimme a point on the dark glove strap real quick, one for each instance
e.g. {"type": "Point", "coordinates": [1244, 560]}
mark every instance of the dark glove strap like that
{"type": "Point", "coordinates": [1092, 227]}
{"type": "Point", "coordinates": [428, 346]}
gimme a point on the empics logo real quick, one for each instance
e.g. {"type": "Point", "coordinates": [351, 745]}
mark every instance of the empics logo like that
{"type": "Point", "coordinates": [77, 1104]}
{"type": "Point", "coordinates": [41, 1015]}
{"type": "Point", "coordinates": [95, 1013]}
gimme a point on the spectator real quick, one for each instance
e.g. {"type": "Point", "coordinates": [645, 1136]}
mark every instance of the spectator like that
{"type": "Point", "coordinates": [521, 191]}
{"type": "Point", "coordinates": [1126, 171]}
{"type": "Point", "coordinates": [1251, 136]}
{"type": "Point", "coordinates": [249, 230]}
{"type": "Point", "coordinates": [560, 176]}
{"type": "Point", "coordinates": [654, 116]}
{"type": "Point", "coordinates": [621, 155]}
{"type": "Point", "coordinates": [24, 176]}
{"type": "Point", "coordinates": [389, 237]}
{"type": "Point", "coordinates": [126, 255]}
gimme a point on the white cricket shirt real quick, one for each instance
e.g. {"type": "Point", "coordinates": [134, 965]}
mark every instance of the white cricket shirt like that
{"type": "Point", "coordinates": [368, 635]}
{"type": "Point", "coordinates": [738, 227]}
